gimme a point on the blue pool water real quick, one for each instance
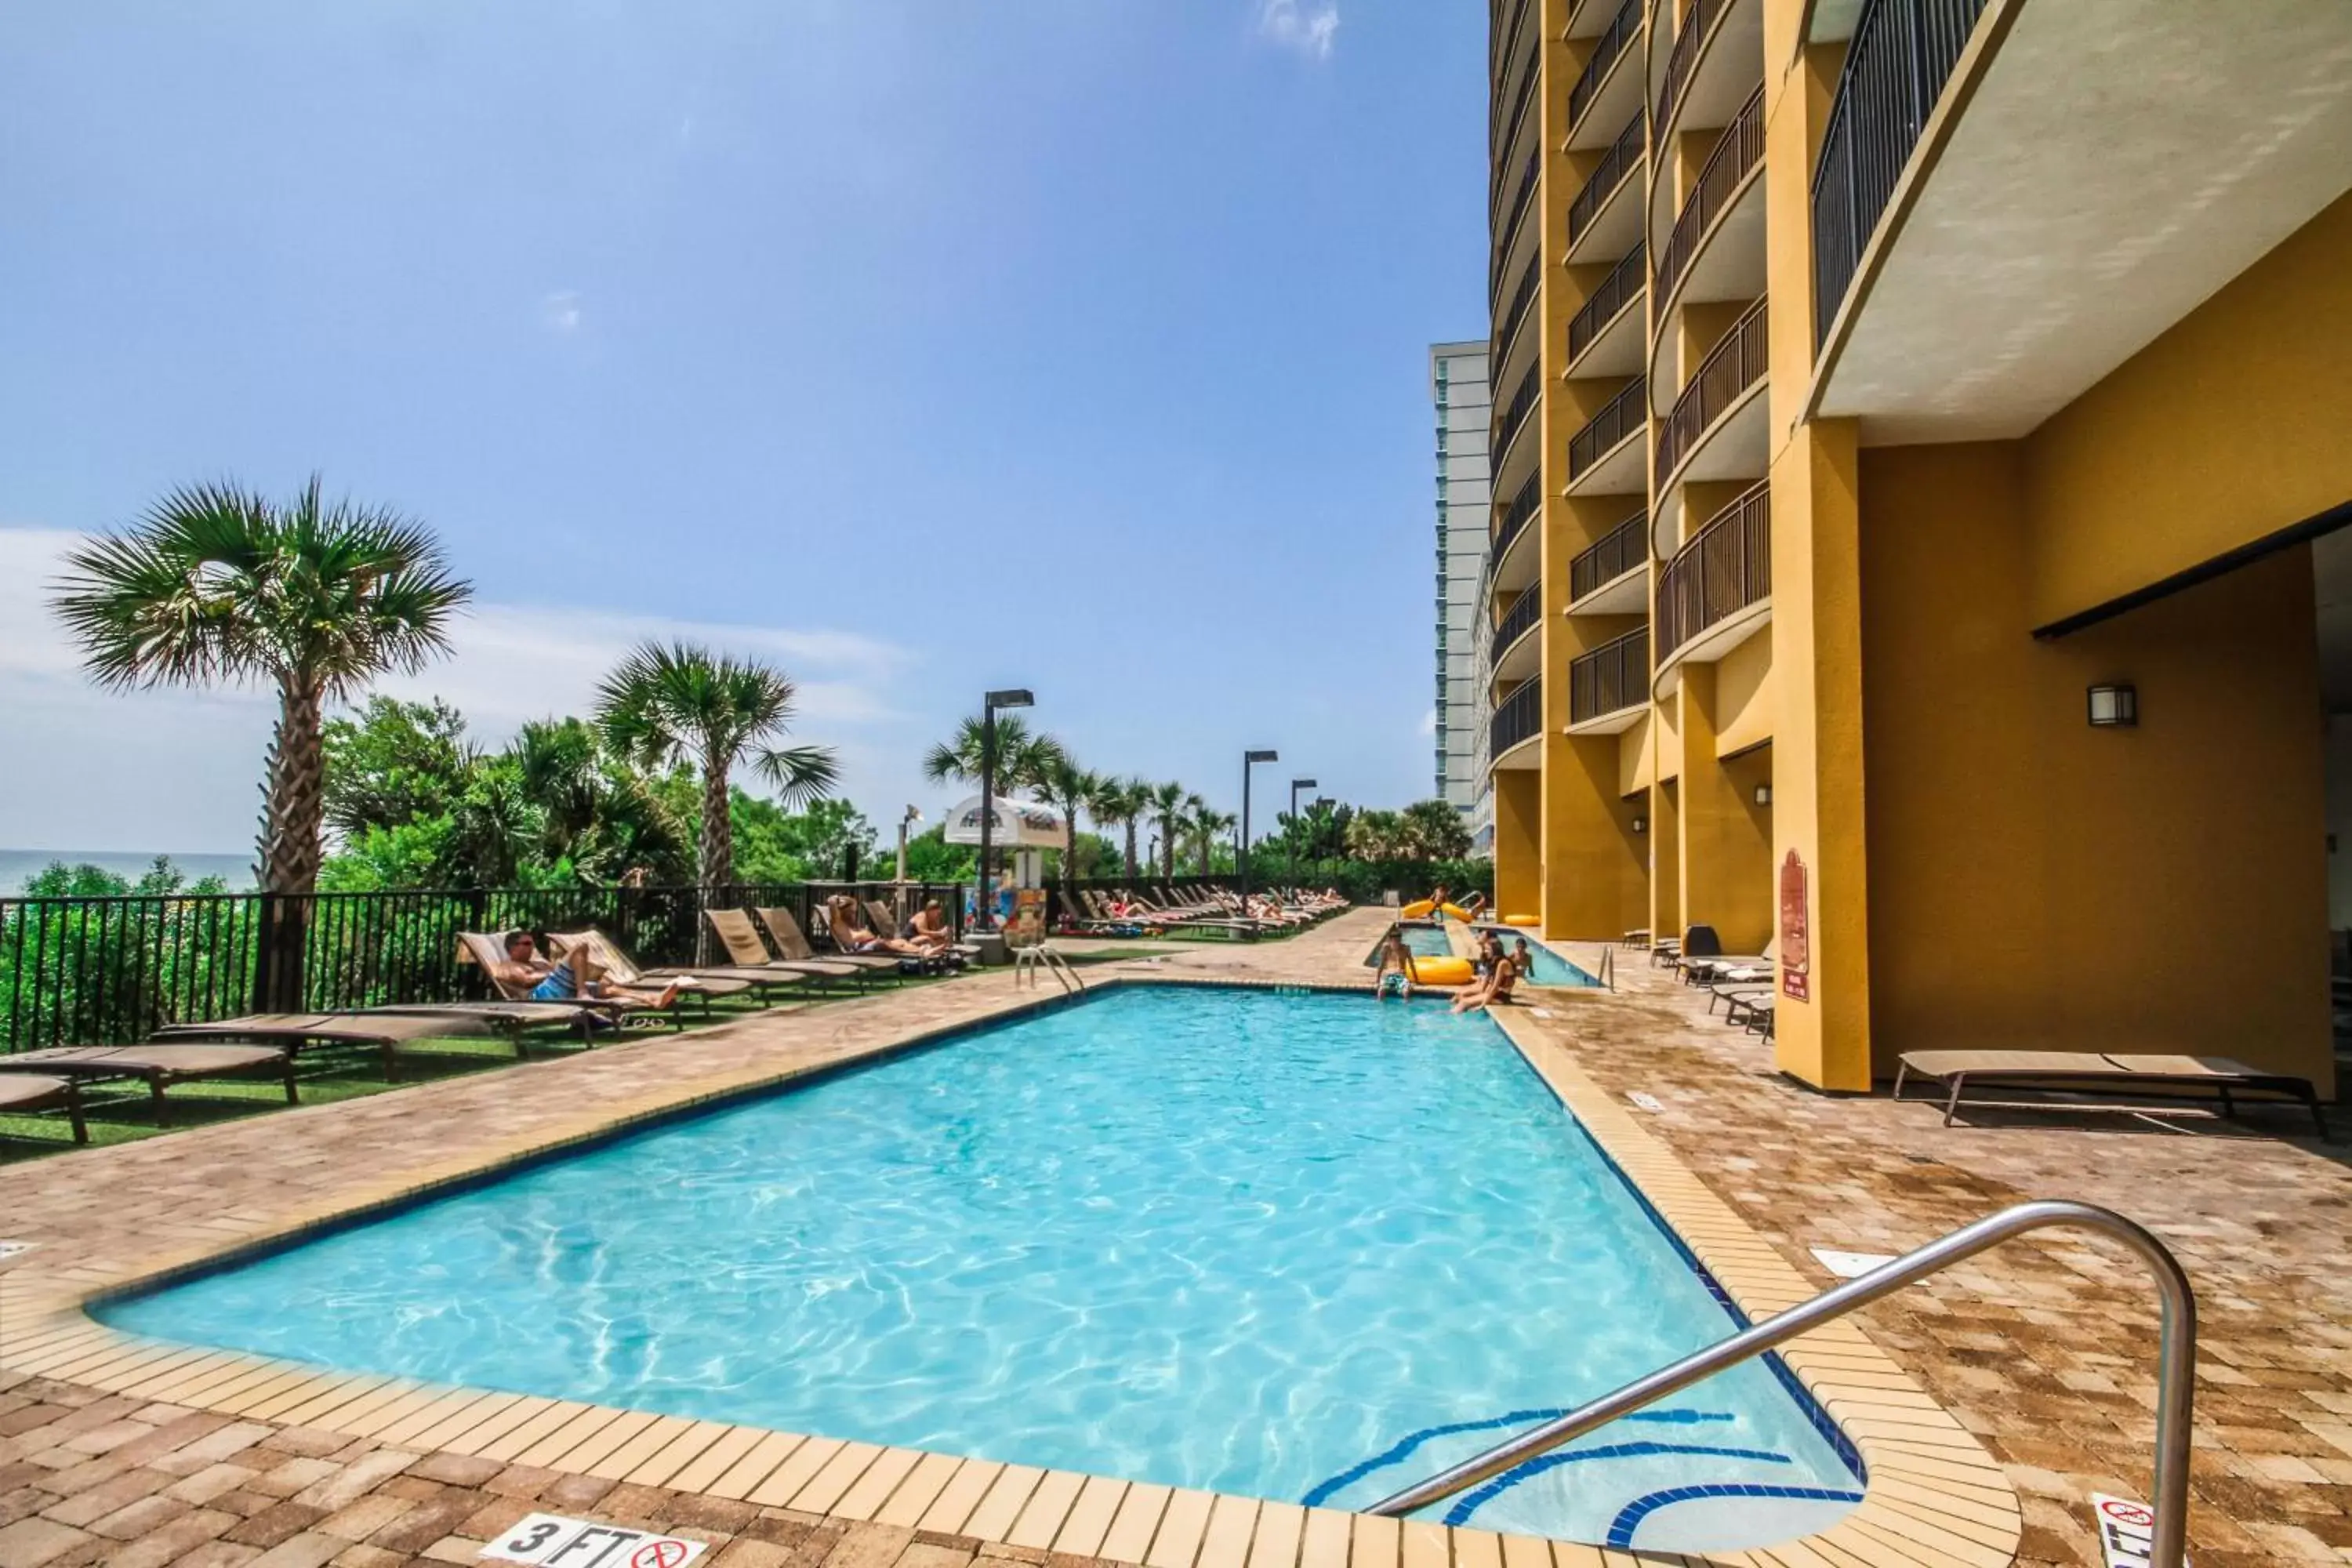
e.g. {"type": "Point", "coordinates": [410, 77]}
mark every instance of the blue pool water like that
{"type": "Point", "coordinates": [1545, 967]}
{"type": "Point", "coordinates": [1292, 1245]}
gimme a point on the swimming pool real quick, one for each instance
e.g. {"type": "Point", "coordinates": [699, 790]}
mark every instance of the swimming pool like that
{"type": "Point", "coordinates": [1291, 1245]}
{"type": "Point", "coordinates": [1546, 968]}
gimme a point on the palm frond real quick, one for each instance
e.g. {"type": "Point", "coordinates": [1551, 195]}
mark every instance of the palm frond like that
{"type": "Point", "coordinates": [801, 773]}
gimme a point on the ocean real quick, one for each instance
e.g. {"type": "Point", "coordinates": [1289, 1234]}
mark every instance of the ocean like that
{"type": "Point", "coordinates": [19, 867]}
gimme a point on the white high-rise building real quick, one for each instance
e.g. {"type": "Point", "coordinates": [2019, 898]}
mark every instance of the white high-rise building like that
{"type": "Point", "coordinates": [1457, 387]}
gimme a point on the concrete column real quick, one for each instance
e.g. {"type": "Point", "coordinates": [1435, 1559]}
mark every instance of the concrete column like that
{"type": "Point", "coordinates": [1726, 858]}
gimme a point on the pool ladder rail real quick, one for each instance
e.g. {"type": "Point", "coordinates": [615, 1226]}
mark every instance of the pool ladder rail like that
{"type": "Point", "coordinates": [1041, 955]}
{"type": "Point", "coordinates": [2176, 1359]}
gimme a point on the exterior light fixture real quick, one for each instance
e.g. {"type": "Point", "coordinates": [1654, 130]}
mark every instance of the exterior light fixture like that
{"type": "Point", "coordinates": [1249, 760]}
{"type": "Point", "coordinates": [1640, 824]}
{"type": "Point", "coordinates": [984, 906]}
{"type": "Point", "coordinates": [2113, 707]}
{"type": "Point", "coordinates": [1763, 794]}
{"type": "Point", "coordinates": [1291, 837]}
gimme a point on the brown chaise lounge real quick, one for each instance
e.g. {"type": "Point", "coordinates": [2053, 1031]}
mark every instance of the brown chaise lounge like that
{"type": "Point", "coordinates": [157, 1065]}
{"type": "Point", "coordinates": [794, 943]}
{"type": "Point", "coordinates": [26, 1093]}
{"type": "Point", "coordinates": [741, 938]}
{"type": "Point", "coordinates": [292, 1033]}
{"type": "Point", "coordinates": [2100, 1073]}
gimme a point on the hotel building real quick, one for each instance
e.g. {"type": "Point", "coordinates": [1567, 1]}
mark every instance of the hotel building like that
{"type": "Point", "coordinates": [1457, 388]}
{"type": "Point", "coordinates": [1920, 429]}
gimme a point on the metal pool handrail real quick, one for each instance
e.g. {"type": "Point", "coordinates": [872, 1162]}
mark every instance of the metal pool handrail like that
{"type": "Point", "coordinates": [2176, 1358]}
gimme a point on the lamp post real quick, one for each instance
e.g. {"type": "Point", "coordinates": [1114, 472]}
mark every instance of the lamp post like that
{"type": "Point", "coordinates": [1249, 760]}
{"type": "Point", "coordinates": [984, 906]}
{"type": "Point", "coordinates": [1291, 838]}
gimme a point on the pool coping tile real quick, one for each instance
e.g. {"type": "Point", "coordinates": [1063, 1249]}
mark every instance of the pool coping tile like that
{"type": "Point", "coordinates": [1933, 1497]}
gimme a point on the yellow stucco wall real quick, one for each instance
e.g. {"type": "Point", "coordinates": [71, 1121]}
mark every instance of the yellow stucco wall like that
{"type": "Point", "coordinates": [2232, 425]}
{"type": "Point", "coordinates": [1744, 696]}
{"type": "Point", "coordinates": [2036, 882]}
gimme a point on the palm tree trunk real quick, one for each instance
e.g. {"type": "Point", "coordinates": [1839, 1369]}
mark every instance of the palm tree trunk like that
{"type": "Point", "coordinates": [1131, 853]}
{"type": "Point", "coordinates": [1168, 848]}
{"type": "Point", "coordinates": [716, 858]}
{"type": "Point", "coordinates": [298, 791]}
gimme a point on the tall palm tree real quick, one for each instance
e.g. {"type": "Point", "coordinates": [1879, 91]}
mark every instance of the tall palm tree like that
{"type": "Point", "coordinates": [1119, 803]}
{"type": "Point", "coordinates": [1206, 823]}
{"type": "Point", "coordinates": [219, 584]}
{"type": "Point", "coordinates": [1020, 756]}
{"type": "Point", "coordinates": [680, 703]}
{"type": "Point", "coordinates": [1070, 787]}
{"type": "Point", "coordinates": [1167, 808]}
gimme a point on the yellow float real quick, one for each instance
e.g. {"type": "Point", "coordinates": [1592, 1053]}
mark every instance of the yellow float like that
{"type": "Point", "coordinates": [1522, 921]}
{"type": "Point", "coordinates": [1454, 912]}
{"type": "Point", "coordinates": [1441, 971]}
{"type": "Point", "coordinates": [1415, 912]}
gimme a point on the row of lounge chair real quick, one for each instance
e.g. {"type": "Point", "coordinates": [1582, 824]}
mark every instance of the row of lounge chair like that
{"type": "Point", "coordinates": [268, 1045]}
{"type": "Point", "coordinates": [1137, 912]}
{"type": "Point", "coordinates": [1742, 983]}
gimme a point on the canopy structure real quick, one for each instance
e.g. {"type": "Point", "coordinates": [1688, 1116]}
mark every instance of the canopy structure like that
{"type": "Point", "coordinates": [1019, 825]}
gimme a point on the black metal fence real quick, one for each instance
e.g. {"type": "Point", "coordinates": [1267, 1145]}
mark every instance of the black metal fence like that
{"type": "Point", "coordinates": [1516, 717]}
{"type": "Point", "coordinates": [1902, 53]}
{"type": "Point", "coordinates": [106, 970]}
{"type": "Point", "coordinates": [1612, 677]}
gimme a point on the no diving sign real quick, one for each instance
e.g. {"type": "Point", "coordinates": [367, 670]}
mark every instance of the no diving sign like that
{"type": "Point", "coordinates": [2127, 1529]}
{"type": "Point", "coordinates": [549, 1541]}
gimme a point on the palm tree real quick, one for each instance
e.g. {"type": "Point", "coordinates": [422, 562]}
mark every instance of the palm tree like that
{"type": "Point", "coordinates": [679, 703]}
{"type": "Point", "coordinates": [1167, 803]}
{"type": "Point", "coordinates": [1119, 803]}
{"type": "Point", "coordinates": [1206, 823]}
{"type": "Point", "coordinates": [218, 583]}
{"type": "Point", "coordinates": [1020, 756]}
{"type": "Point", "coordinates": [1066, 785]}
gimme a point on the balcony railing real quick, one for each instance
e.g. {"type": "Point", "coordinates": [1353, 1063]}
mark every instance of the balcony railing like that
{"type": "Point", "coordinates": [1902, 53]}
{"type": "Point", "coordinates": [1681, 59]}
{"type": "Point", "coordinates": [1523, 300]}
{"type": "Point", "coordinates": [1510, 130]}
{"type": "Point", "coordinates": [1608, 175]}
{"type": "Point", "coordinates": [1521, 616]}
{"type": "Point", "coordinates": [1730, 369]}
{"type": "Point", "coordinates": [1736, 155]}
{"type": "Point", "coordinates": [1523, 404]}
{"type": "Point", "coordinates": [1516, 717]}
{"type": "Point", "coordinates": [1612, 677]}
{"type": "Point", "coordinates": [1609, 557]}
{"type": "Point", "coordinates": [1619, 417]}
{"type": "Point", "coordinates": [1620, 289]}
{"type": "Point", "coordinates": [1521, 196]}
{"type": "Point", "coordinates": [1525, 505]}
{"type": "Point", "coordinates": [1496, 45]}
{"type": "Point", "coordinates": [1726, 567]}
{"type": "Point", "coordinates": [1606, 51]}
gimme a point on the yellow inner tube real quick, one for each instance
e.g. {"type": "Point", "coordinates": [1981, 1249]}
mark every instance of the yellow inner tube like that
{"type": "Point", "coordinates": [1454, 911]}
{"type": "Point", "coordinates": [1441, 971]}
{"type": "Point", "coordinates": [1521, 921]}
{"type": "Point", "coordinates": [1415, 912]}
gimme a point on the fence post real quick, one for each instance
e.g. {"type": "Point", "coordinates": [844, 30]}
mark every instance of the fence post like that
{"type": "Point", "coordinates": [279, 954]}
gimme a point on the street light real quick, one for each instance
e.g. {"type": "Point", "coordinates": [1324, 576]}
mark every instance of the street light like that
{"type": "Point", "coordinates": [913, 814]}
{"type": "Point", "coordinates": [984, 906]}
{"type": "Point", "coordinates": [1249, 760]}
{"type": "Point", "coordinates": [1291, 838]}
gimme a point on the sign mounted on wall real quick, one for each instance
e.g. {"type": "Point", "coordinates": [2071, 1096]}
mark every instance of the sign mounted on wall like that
{"type": "Point", "coordinates": [1796, 930]}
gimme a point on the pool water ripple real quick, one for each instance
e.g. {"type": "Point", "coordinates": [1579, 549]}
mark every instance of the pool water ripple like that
{"type": "Point", "coordinates": [1224, 1239]}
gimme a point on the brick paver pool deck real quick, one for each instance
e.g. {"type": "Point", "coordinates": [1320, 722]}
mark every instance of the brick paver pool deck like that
{"type": "Point", "coordinates": [113, 1451]}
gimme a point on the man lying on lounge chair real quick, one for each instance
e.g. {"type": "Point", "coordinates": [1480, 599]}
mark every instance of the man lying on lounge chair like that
{"type": "Point", "coordinates": [575, 974]}
{"type": "Point", "coordinates": [851, 933]}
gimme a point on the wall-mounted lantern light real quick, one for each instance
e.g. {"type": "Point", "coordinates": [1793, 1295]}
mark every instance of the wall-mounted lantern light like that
{"type": "Point", "coordinates": [1763, 794]}
{"type": "Point", "coordinates": [2113, 707]}
{"type": "Point", "coordinates": [1640, 824]}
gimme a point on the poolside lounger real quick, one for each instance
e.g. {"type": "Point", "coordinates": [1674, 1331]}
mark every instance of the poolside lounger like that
{"type": "Point", "coordinates": [29, 1093]}
{"type": "Point", "coordinates": [794, 943]}
{"type": "Point", "coordinates": [514, 1020]}
{"type": "Point", "coordinates": [2095, 1072]}
{"type": "Point", "coordinates": [955, 956]}
{"type": "Point", "coordinates": [741, 937]}
{"type": "Point", "coordinates": [487, 953]}
{"type": "Point", "coordinates": [158, 1065]}
{"type": "Point", "coordinates": [704, 981]}
{"type": "Point", "coordinates": [295, 1032]}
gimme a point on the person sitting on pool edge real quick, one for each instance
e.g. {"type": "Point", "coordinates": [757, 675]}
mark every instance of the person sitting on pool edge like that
{"type": "Point", "coordinates": [1490, 953]}
{"type": "Point", "coordinates": [1394, 976]}
{"type": "Point", "coordinates": [1495, 990]}
{"type": "Point", "coordinates": [573, 977]}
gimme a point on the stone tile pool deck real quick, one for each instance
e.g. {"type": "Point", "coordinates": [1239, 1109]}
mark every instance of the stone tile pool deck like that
{"type": "Point", "coordinates": [112, 1451]}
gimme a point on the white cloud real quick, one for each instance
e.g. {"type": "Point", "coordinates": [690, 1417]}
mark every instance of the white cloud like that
{"type": "Point", "coordinates": [1306, 27]}
{"type": "Point", "coordinates": [1429, 722]}
{"type": "Point", "coordinates": [560, 313]}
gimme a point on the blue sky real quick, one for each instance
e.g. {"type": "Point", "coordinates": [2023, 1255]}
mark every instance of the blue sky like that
{"type": "Point", "coordinates": [1078, 344]}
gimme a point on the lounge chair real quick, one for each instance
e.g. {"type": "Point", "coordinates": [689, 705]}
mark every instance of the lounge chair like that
{"type": "Point", "coordinates": [2100, 1073]}
{"type": "Point", "coordinates": [741, 938]}
{"type": "Point", "coordinates": [29, 1093]}
{"type": "Point", "coordinates": [514, 1020]}
{"type": "Point", "coordinates": [955, 956]}
{"type": "Point", "coordinates": [784, 929]}
{"type": "Point", "coordinates": [158, 1065]}
{"type": "Point", "coordinates": [704, 981]}
{"type": "Point", "coordinates": [293, 1033]}
{"type": "Point", "coordinates": [488, 953]}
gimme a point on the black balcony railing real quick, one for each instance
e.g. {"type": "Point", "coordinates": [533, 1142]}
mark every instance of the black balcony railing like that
{"type": "Point", "coordinates": [1609, 557]}
{"type": "Point", "coordinates": [1520, 617]}
{"type": "Point", "coordinates": [1738, 153]}
{"type": "Point", "coordinates": [1690, 33]}
{"type": "Point", "coordinates": [1502, 38]}
{"type": "Point", "coordinates": [1612, 677]}
{"type": "Point", "coordinates": [1730, 369]}
{"type": "Point", "coordinates": [1726, 567]}
{"type": "Point", "coordinates": [1522, 408]}
{"type": "Point", "coordinates": [1611, 172]}
{"type": "Point", "coordinates": [1902, 53]}
{"type": "Point", "coordinates": [1619, 417]}
{"type": "Point", "coordinates": [1619, 289]}
{"type": "Point", "coordinates": [1509, 131]}
{"type": "Point", "coordinates": [1524, 507]}
{"type": "Point", "coordinates": [1516, 717]}
{"type": "Point", "coordinates": [1508, 321]}
{"type": "Point", "coordinates": [1606, 51]}
{"type": "Point", "coordinates": [1525, 193]}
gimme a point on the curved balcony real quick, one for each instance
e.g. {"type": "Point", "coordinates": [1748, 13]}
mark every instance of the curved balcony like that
{"type": "Point", "coordinates": [1500, 45]}
{"type": "Point", "coordinates": [1606, 577]}
{"type": "Point", "coordinates": [1609, 89]}
{"type": "Point", "coordinates": [1605, 456]}
{"type": "Point", "coordinates": [1516, 651]}
{"type": "Point", "coordinates": [1511, 240]}
{"type": "Point", "coordinates": [1517, 723]}
{"type": "Point", "coordinates": [1522, 102]}
{"type": "Point", "coordinates": [1604, 336]}
{"type": "Point", "coordinates": [1716, 591]}
{"type": "Point", "coordinates": [1509, 319]}
{"type": "Point", "coordinates": [1716, 57]}
{"type": "Point", "coordinates": [1509, 565]}
{"type": "Point", "coordinates": [1609, 689]}
{"type": "Point", "coordinates": [1717, 430]}
{"type": "Point", "coordinates": [1505, 444]}
{"type": "Point", "coordinates": [1603, 223]}
{"type": "Point", "coordinates": [1716, 248]}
